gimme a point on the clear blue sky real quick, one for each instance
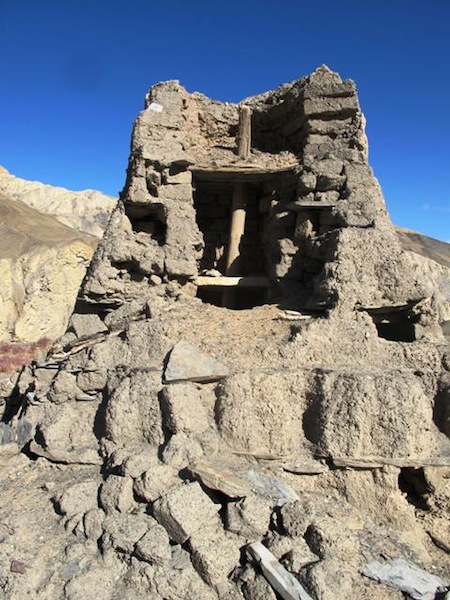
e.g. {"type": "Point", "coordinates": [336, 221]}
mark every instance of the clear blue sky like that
{"type": "Point", "coordinates": [74, 74]}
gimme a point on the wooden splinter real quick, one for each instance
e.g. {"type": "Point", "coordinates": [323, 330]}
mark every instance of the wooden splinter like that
{"type": "Point", "coordinates": [238, 209]}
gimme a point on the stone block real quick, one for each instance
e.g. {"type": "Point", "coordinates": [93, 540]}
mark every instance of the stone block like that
{"type": "Point", "coordinates": [165, 154]}
{"type": "Point", "coordinates": [262, 412]}
{"type": "Point", "coordinates": [182, 450]}
{"type": "Point", "coordinates": [89, 381]}
{"type": "Point", "coordinates": [181, 267]}
{"type": "Point", "coordinates": [178, 192]}
{"type": "Point", "coordinates": [187, 363]}
{"type": "Point", "coordinates": [184, 511]}
{"type": "Point", "coordinates": [139, 462]}
{"type": "Point", "coordinates": [183, 409]}
{"type": "Point", "coordinates": [326, 87]}
{"type": "Point", "coordinates": [387, 415]}
{"type": "Point", "coordinates": [67, 432]}
{"type": "Point", "coordinates": [86, 325]}
{"type": "Point", "coordinates": [327, 182]}
{"type": "Point", "coordinates": [329, 126]}
{"type": "Point", "coordinates": [123, 531]}
{"type": "Point", "coordinates": [171, 176]}
{"type": "Point", "coordinates": [93, 523]}
{"type": "Point", "coordinates": [132, 412]}
{"type": "Point", "coordinates": [116, 494]}
{"type": "Point", "coordinates": [79, 498]}
{"type": "Point", "coordinates": [326, 166]}
{"type": "Point", "coordinates": [154, 546]}
{"type": "Point", "coordinates": [328, 198]}
{"type": "Point", "coordinates": [307, 182]}
{"type": "Point", "coordinates": [218, 477]}
{"type": "Point", "coordinates": [297, 516]}
{"type": "Point", "coordinates": [330, 107]}
{"type": "Point", "coordinates": [155, 482]}
{"type": "Point", "coordinates": [249, 518]}
{"type": "Point", "coordinates": [215, 553]}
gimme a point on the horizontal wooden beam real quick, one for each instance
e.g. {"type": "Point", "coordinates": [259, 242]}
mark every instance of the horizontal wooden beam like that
{"type": "Point", "coordinates": [238, 172]}
{"type": "Point", "coordinates": [204, 281]}
{"type": "Point", "coordinates": [311, 204]}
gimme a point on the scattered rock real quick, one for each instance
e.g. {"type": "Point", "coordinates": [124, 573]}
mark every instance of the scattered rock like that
{"type": "Point", "coordinates": [79, 498]}
{"type": "Point", "coordinates": [184, 511]}
{"type": "Point", "coordinates": [17, 566]}
{"type": "Point", "coordinates": [221, 479]}
{"type": "Point", "coordinates": [154, 546]}
{"type": "Point", "coordinates": [407, 577]}
{"type": "Point", "coordinates": [187, 363]}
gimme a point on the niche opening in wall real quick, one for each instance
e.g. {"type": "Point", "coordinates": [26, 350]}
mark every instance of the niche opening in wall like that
{"type": "Point", "coordinates": [150, 219]}
{"type": "Point", "coordinates": [246, 285]}
{"type": "Point", "coordinates": [394, 323]}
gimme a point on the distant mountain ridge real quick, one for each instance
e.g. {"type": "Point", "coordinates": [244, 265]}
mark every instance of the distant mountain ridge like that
{"type": "Point", "coordinates": [429, 247]}
{"type": "Point", "coordinates": [86, 211]}
{"type": "Point", "coordinates": [432, 258]}
{"type": "Point", "coordinates": [48, 236]}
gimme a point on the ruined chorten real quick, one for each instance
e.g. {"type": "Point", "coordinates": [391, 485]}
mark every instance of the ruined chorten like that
{"type": "Point", "coordinates": [253, 358]}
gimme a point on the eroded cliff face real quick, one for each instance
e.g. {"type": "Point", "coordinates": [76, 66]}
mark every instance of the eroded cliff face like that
{"type": "Point", "coordinates": [194, 409]}
{"type": "Point", "coordinates": [85, 211]}
{"type": "Point", "coordinates": [42, 263]}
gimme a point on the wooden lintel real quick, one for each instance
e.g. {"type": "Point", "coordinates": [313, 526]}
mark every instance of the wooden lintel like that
{"type": "Point", "coordinates": [248, 281]}
{"type": "Point", "coordinates": [238, 172]}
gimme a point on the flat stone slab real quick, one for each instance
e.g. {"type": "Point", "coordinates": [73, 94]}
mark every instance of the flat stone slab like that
{"type": "Point", "coordinates": [406, 577]}
{"type": "Point", "coordinates": [221, 479]}
{"type": "Point", "coordinates": [87, 325]}
{"type": "Point", "coordinates": [187, 363]}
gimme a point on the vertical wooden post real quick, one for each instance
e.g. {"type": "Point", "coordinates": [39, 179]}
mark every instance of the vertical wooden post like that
{"type": "Point", "coordinates": [245, 132]}
{"type": "Point", "coordinates": [238, 214]}
{"type": "Point", "coordinates": [238, 209]}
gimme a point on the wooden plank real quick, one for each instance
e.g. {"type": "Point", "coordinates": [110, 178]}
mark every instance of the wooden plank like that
{"type": "Point", "coordinates": [377, 462]}
{"type": "Point", "coordinates": [245, 131]}
{"type": "Point", "coordinates": [283, 582]}
{"type": "Point", "coordinates": [307, 204]}
{"type": "Point", "coordinates": [304, 468]}
{"type": "Point", "coordinates": [246, 281]}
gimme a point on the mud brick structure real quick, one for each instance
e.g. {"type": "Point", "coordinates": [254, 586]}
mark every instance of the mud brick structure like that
{"type": "Point", "coordinates": [313, 231]}
{"type": "Point", "coordinates": [252, 359]}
